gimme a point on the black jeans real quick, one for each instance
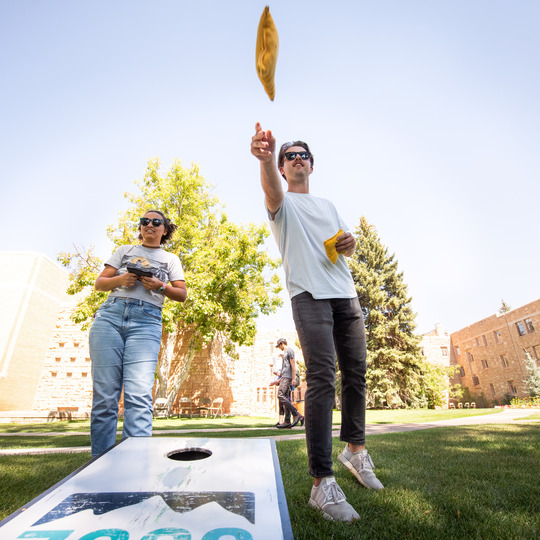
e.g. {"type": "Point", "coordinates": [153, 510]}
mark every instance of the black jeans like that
{"type": "Point", "coordinates": [284, 391]}
{"type": "Point", "coordinates": [326, 328]}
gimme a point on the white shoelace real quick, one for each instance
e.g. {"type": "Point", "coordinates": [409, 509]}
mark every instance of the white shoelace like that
{"type": "Point", "coordinates": [366, 462]}
{"type": "Point", "coordinates": [333, 494]}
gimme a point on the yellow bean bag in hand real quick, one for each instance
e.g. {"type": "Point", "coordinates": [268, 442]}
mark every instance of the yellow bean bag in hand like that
{"type": "Point", "coordinates": [266, 52]}
{"type": "Point", "coordinates": [330, 247]}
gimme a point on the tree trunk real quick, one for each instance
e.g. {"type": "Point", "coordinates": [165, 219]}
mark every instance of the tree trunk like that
{"type": "Point", "coordinates": [182, 369]}
{"type": "Point", "coordinates": [164, 363]}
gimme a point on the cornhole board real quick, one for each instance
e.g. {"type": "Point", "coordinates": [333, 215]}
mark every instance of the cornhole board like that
{"type": "Point", "coordinates": [162, 488]}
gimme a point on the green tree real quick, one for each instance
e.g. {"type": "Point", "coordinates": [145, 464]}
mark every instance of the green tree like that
{"type": "Point", "coordinates": [505, 308]}
{"type": "Point", "coordinates": [229, 276]}
{"type": "Point", "coordinates": [397, 375]}
{"type": "Point", "coordinates": [532, 381]}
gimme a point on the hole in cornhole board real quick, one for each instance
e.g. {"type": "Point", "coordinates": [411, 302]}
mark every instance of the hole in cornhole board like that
{"type": "Point", "coordinates": [189, 454]}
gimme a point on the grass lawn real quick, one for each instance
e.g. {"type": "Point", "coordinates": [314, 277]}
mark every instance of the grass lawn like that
{"type": "Point", "coordinates": [241, 422]}
{"type": "Point", "coordinates": [461, 482]}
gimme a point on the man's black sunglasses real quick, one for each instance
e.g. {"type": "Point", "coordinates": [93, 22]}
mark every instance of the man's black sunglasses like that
{"type": "Point", "coordinates": [155, 222]}
{"type": "Point", "coordinates": [292, 155]}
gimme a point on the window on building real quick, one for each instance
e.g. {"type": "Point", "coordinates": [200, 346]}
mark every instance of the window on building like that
{"type": "Point", "coordinates": [69, 374]}
{"type": "Point", "coordinates": [87, 359]}
{"type": "Point", "coordinates": [529, 325]}
{"type": "Point", "coordinates": [520, 328]}
{"type": "Point", "coordinates": [54, 373]}
{"type": "Point", "coordinates": [497, 336]}
{"type": "Point", "coordinates": [511, 388]}
{"type": "Point", "coordinates": [258, 395]}
{"type": "Point", "coordinates": [73, 359]}
{"type": "Point", "coordinates": [470, 357]}
{"type": "Point", "coordinates": [458, 352]}
{"type": "Point", "coordinates": [475, 380]}
{"type": "Point", "coordinates": [485, 341]}
{"type": "Point", "coordinates": [504, 361]}
{"type": "Point", "coordinates": [76, 344]}
{"type": "Point", "coordinates": [462, 371]}
{"type": "Point", "coordinates": [492, 388]}
{"type": "Point", "coordinates": [477, 341]}
{"type": "Point", "coordinates": [536, 352]}
{"type": "Point", "coordinates": [61, 344]}
{"type": "Point", "coordinates": [444, 351]}
{"type": "Point", "coordinates": [264, 391]}
{"type": "Point", "coordinates": [58, 359]}
{"type": "Point", "coordinates": [485, 364]}
{"type": "Point", "coordinates": [84, 375]}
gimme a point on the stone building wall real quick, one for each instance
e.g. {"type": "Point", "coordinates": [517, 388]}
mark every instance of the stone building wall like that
{"type": "Point", "coordinates": [242, 383]}
{"type": "Point", "coordinates": [66, 380]}
{"type": "Point", "coordinates": [32, 292]}
{"type": "Point", "coordinates": [435, 347]}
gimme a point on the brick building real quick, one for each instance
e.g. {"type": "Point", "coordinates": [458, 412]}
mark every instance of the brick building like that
{"type": "Point", "coordinates": [490, 353]}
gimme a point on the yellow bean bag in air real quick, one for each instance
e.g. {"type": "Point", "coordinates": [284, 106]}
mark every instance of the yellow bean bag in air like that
{"type": "Point", "coordinates": [266, 52]}
{"type": "Point", "coordinates": [330, 247]}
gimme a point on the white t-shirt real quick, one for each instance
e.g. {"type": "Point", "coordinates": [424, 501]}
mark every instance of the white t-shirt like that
{"type": "Point", "coordinates": [300, 227]}
{"type": "Point", "coordinates": [164, 265]}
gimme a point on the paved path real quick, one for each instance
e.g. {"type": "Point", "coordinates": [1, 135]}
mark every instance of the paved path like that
{"type": "Point", "coordinates": [506, 416]}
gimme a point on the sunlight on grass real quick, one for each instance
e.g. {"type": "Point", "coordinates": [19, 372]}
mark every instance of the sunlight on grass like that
{"type": "Point", "coordinates": [372, 417]}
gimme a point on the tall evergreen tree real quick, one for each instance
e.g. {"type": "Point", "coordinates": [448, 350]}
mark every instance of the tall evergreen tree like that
{"type": "Point", "coordinates": [397, 374]}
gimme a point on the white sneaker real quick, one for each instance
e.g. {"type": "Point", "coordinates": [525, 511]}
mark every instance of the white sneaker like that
{"type": "Point", "coordinates": [361, 465]}
{"type": "Point", "coordinates": [331, 501]}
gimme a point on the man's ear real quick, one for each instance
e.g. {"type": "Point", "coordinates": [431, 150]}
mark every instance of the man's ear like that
{"type": "Point", "coordinates": [282, 172]}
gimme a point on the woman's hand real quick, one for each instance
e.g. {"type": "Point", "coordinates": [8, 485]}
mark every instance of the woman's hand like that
{"type": "Point", "coordinates": [127, 279]}
{"type": "Point", "coordinates": [175, 290]}
{"type": "Point", "coordinates": [151, 283]}
{"type": "Point", "coordinates": [108, 280]}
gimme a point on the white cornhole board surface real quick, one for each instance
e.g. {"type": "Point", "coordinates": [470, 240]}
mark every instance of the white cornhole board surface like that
{"type": "Point", "coordinates": [136, 492]}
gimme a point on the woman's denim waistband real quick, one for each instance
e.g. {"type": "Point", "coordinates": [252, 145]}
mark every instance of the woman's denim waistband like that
{"type": "Point", "coordinates": [114, 299]}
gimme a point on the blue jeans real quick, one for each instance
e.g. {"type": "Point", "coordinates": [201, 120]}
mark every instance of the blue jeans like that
{"type": "Point", "coordinates": [327, 328]}
{"type": "Point", "coordinates": [124, 345]}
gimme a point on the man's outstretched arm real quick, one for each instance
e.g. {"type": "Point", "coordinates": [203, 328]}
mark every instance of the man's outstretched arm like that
{"type": "Point", "coordinates": [263, 147]}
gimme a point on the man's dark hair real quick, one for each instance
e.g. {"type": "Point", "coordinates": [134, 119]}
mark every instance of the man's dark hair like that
{"type": "Point", "coordinates": [169, 226]}
{"type": "Point", "coordinates": [286, 146]}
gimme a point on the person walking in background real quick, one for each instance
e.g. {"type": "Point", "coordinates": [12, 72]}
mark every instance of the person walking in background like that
{"type": "Point", "coordinates": [125, 336]}
{"type": "Point", "coordinates": [288, 371]}
{"type": "Point", "coordinates": [276, 370]}
{"type": "Point", "coordinates": [327, 316]}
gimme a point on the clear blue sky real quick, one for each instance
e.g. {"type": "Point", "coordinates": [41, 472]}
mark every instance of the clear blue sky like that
{"type": "Point", "coordinates": [423, 116]}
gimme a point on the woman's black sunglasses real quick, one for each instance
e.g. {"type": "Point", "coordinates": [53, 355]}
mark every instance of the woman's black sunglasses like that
{"type": "Point", "coordinates": [292, 155]}
{"type": "Point", "coordinates": [155, 222]}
